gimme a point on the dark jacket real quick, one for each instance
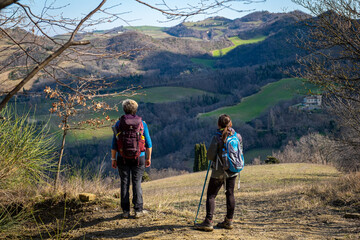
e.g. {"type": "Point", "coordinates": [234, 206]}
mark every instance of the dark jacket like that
{"type": "Point", "coordinates": [214, 155]}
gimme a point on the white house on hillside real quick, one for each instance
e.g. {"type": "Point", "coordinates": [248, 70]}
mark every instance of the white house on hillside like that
{"type": "Point", "coordinates": [311, 102]}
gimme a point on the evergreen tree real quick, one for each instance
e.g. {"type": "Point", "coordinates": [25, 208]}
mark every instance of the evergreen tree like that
{"type": "Point", "coordinates": [196, 158]}
{"type": "Point", "coordinates": [200, 158]}
{"type": "Point", "coordinates": [204, 160]}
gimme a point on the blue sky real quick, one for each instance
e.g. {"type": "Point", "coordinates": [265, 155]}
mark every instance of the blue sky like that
{"type": "Point", "coordinates": [137, 14]}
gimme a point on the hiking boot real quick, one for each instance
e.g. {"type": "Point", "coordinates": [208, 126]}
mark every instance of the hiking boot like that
{"type": "Point", "coordinates": [227, 224]}
{"type": "Point", "coordinates": [125, 215]}
{"type": "Point", "coordinates": [206, 225]}
{"type": "Point", "coordinates": [140, 214]}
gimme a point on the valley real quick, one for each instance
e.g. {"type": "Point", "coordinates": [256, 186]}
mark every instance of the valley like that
{"type": "Point", "coordinates": [186, 78]}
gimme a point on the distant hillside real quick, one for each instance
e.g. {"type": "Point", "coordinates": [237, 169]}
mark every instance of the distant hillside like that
{"type": "Point", "coordinates": [252, 106]}
{"type": "Point", "coordinates": [246, 27]}
{"type": "Point", "coordinates": [186, 76]}
{"type": "Point", "coordinates": [279, 47]}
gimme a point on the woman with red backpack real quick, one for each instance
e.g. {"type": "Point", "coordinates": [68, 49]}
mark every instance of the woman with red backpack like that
{"type": "Point", "coordinates": [131, 153]}
{"type": "Point", "coordinates": [221, 174]}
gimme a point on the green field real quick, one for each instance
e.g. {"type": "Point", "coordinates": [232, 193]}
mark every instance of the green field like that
{"type": "Point", "coordinates": [151, 95]}
{"type": "Point", "coordinates": [221, 52]}
{"type": "Point", "coordinates": [206, 24]}
{"type": "Point", "coordinates": [163, 95]}
{"type": "Point", "coordinates": [89, 134]}
{"type": "Point", "coordinates": [40, 112]}
{"type": "Point", "coordinates": [256, 153]}
{"type": "Point", "coordinates": [269, 95]}
{"type": "Point", "coordinates": [155, 32]}
{"type": "Point", "coordinates": [237, 42]}
{"type": "Point", "coordinates": [206, 62]}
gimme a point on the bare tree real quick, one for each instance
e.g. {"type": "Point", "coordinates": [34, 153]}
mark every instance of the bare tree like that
{"type": "Point", "coordinates": [333, 63]}
{"type": "Point", "coordinates": [312, 148]}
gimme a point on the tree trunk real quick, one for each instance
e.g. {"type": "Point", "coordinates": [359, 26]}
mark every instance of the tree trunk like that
{"type": "Point", "coordinates": [5, 3]}
{"type": "Point", "coordinates": [37, 69]}
{"type": "Point", "coordinates": [60, 158]}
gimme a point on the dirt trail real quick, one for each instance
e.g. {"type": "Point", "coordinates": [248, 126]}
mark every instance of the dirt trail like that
{"type": "Point", "coordinates": [274, 203]}
{"type": "Point", "coordinates": [276, 216]}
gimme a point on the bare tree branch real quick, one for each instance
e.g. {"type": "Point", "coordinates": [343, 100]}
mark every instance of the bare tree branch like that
{"type": "Point", "coordinates": [5, 3]}
{"type": "Point", "coordinates": [57, 53]}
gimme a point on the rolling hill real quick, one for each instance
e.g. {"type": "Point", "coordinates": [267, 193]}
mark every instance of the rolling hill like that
{"type": "Point", "coordinates": [184, 79]}
{"type": "Point", "coordinates": [249, 26]}
{"type": "Point", "coordinates": [237, 42]}
{"type": "Point", "coordinates": [254, 105]}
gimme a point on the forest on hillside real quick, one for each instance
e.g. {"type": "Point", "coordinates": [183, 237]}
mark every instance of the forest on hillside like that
{"type": "Point", "coordinates": [184, 59]}
{"type": "Point", "coordinates": [167, 62]}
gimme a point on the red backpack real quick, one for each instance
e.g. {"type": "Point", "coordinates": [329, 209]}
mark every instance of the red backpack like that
{"type": "Point", "coordinates": [130, 137]}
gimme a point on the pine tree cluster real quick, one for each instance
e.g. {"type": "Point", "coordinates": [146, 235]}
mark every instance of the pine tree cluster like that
{"type": "Point", "coordinates": [200, 162]}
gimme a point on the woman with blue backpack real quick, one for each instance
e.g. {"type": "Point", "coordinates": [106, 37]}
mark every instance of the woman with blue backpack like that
{"type": "Point", "coordinates": [225, 154]}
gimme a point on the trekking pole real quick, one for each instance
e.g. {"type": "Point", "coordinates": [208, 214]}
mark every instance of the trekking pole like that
{"type": "Point", "coordinates": [197, 213]}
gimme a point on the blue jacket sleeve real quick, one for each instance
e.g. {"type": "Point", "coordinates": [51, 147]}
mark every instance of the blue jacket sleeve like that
{"type": "Point", "coordinates": [114, 142]}
{"type": "Point", "coordinates": [148, 143]}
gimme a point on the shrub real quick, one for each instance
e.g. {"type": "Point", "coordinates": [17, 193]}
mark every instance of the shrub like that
{"type": "Point", "coordinates": [26, 159]}
{"type": "Point", "coordinates": [271, 160]}
{"type": "Point", "coordinates": [146, 177]}
{"type": "Point", "coordinates": [312, 148]}
{"type": "Point", "coordinates": [256, 161]}
{"type": "Point", "coordinates": [26, 153]}
{"type": "Point", "coordinates": [344, 192]}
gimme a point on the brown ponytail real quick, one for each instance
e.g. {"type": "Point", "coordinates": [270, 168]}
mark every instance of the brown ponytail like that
{"type": "Point", "coordinates": [225, 123]}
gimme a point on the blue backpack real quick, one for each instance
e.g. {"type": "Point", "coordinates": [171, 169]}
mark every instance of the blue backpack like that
{"type": "Point", "coordinates": [232, 154]}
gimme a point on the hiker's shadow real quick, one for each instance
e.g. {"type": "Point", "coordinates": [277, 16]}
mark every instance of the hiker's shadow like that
{"type": "Point", "coordinates": [129, 232]}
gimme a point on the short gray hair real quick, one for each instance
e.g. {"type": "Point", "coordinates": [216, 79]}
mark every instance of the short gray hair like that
{"type": "Point", "coordinates": [130, 106]}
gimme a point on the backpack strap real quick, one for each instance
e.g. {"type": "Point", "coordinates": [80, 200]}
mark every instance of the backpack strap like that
{"type": "Point", "coordinates": [219, 152]}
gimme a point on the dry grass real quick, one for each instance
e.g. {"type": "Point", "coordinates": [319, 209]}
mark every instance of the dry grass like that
{"type": "Point", "coordinates": [7, 85]}
{"type": "Point", "coordinates": [181, 194]}
{"type": "Point", "coordinates": [155, 174]}
{"type": "Point", "coordinates": [283, 201]}
{"type": "Point", "coordinates": [345, 192]}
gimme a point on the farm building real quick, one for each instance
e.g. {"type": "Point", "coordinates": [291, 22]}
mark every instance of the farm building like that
{"type": "Point", "coordinates": [311, 102]}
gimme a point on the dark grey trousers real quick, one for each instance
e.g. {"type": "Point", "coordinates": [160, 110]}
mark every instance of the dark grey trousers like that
{"type": "Point", "coordinates": [212, 191]}
{"type": "Point", "coordinates": [135, 169]}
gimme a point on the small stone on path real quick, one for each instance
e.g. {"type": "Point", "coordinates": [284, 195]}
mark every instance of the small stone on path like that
{"type": "Point", "coordinates": [87, 197]}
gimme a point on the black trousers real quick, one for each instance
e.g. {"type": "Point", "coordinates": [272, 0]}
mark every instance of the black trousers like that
{"type": "Point", "coordinates": [135, 169]}
{"type": "Point", "coordinates": [212, 191]}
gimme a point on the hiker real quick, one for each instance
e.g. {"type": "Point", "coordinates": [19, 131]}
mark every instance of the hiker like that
{"type": "Point", "coordinates": [220, 176]}
{"type": "Point", "coordinates": [131, 154]}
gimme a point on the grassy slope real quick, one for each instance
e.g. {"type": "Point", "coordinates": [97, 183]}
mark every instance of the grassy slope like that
{"type": "Point", "coordinates": [155, 32]}
{"type": "Point", "coordinates": [181, 193]}
{"type": "Point", "coordinates": [206, 24]}
{"type": "Point", "coordinates": [206, 62]}
{"type": "Point", "coordinates": [221, 52]}
{"type": "Point", "coordinates": [252, 106]}
{"type": "Point", "coordinates": [237, 42]}
{"type": "Point", "coordinates": [258, 152]}
{"type": "Point", "coordinates": [151, 95]}
{"type": "Point", "coordinates": [163, 94]}
{"type": "Point", "coordinates": [274, 202]}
